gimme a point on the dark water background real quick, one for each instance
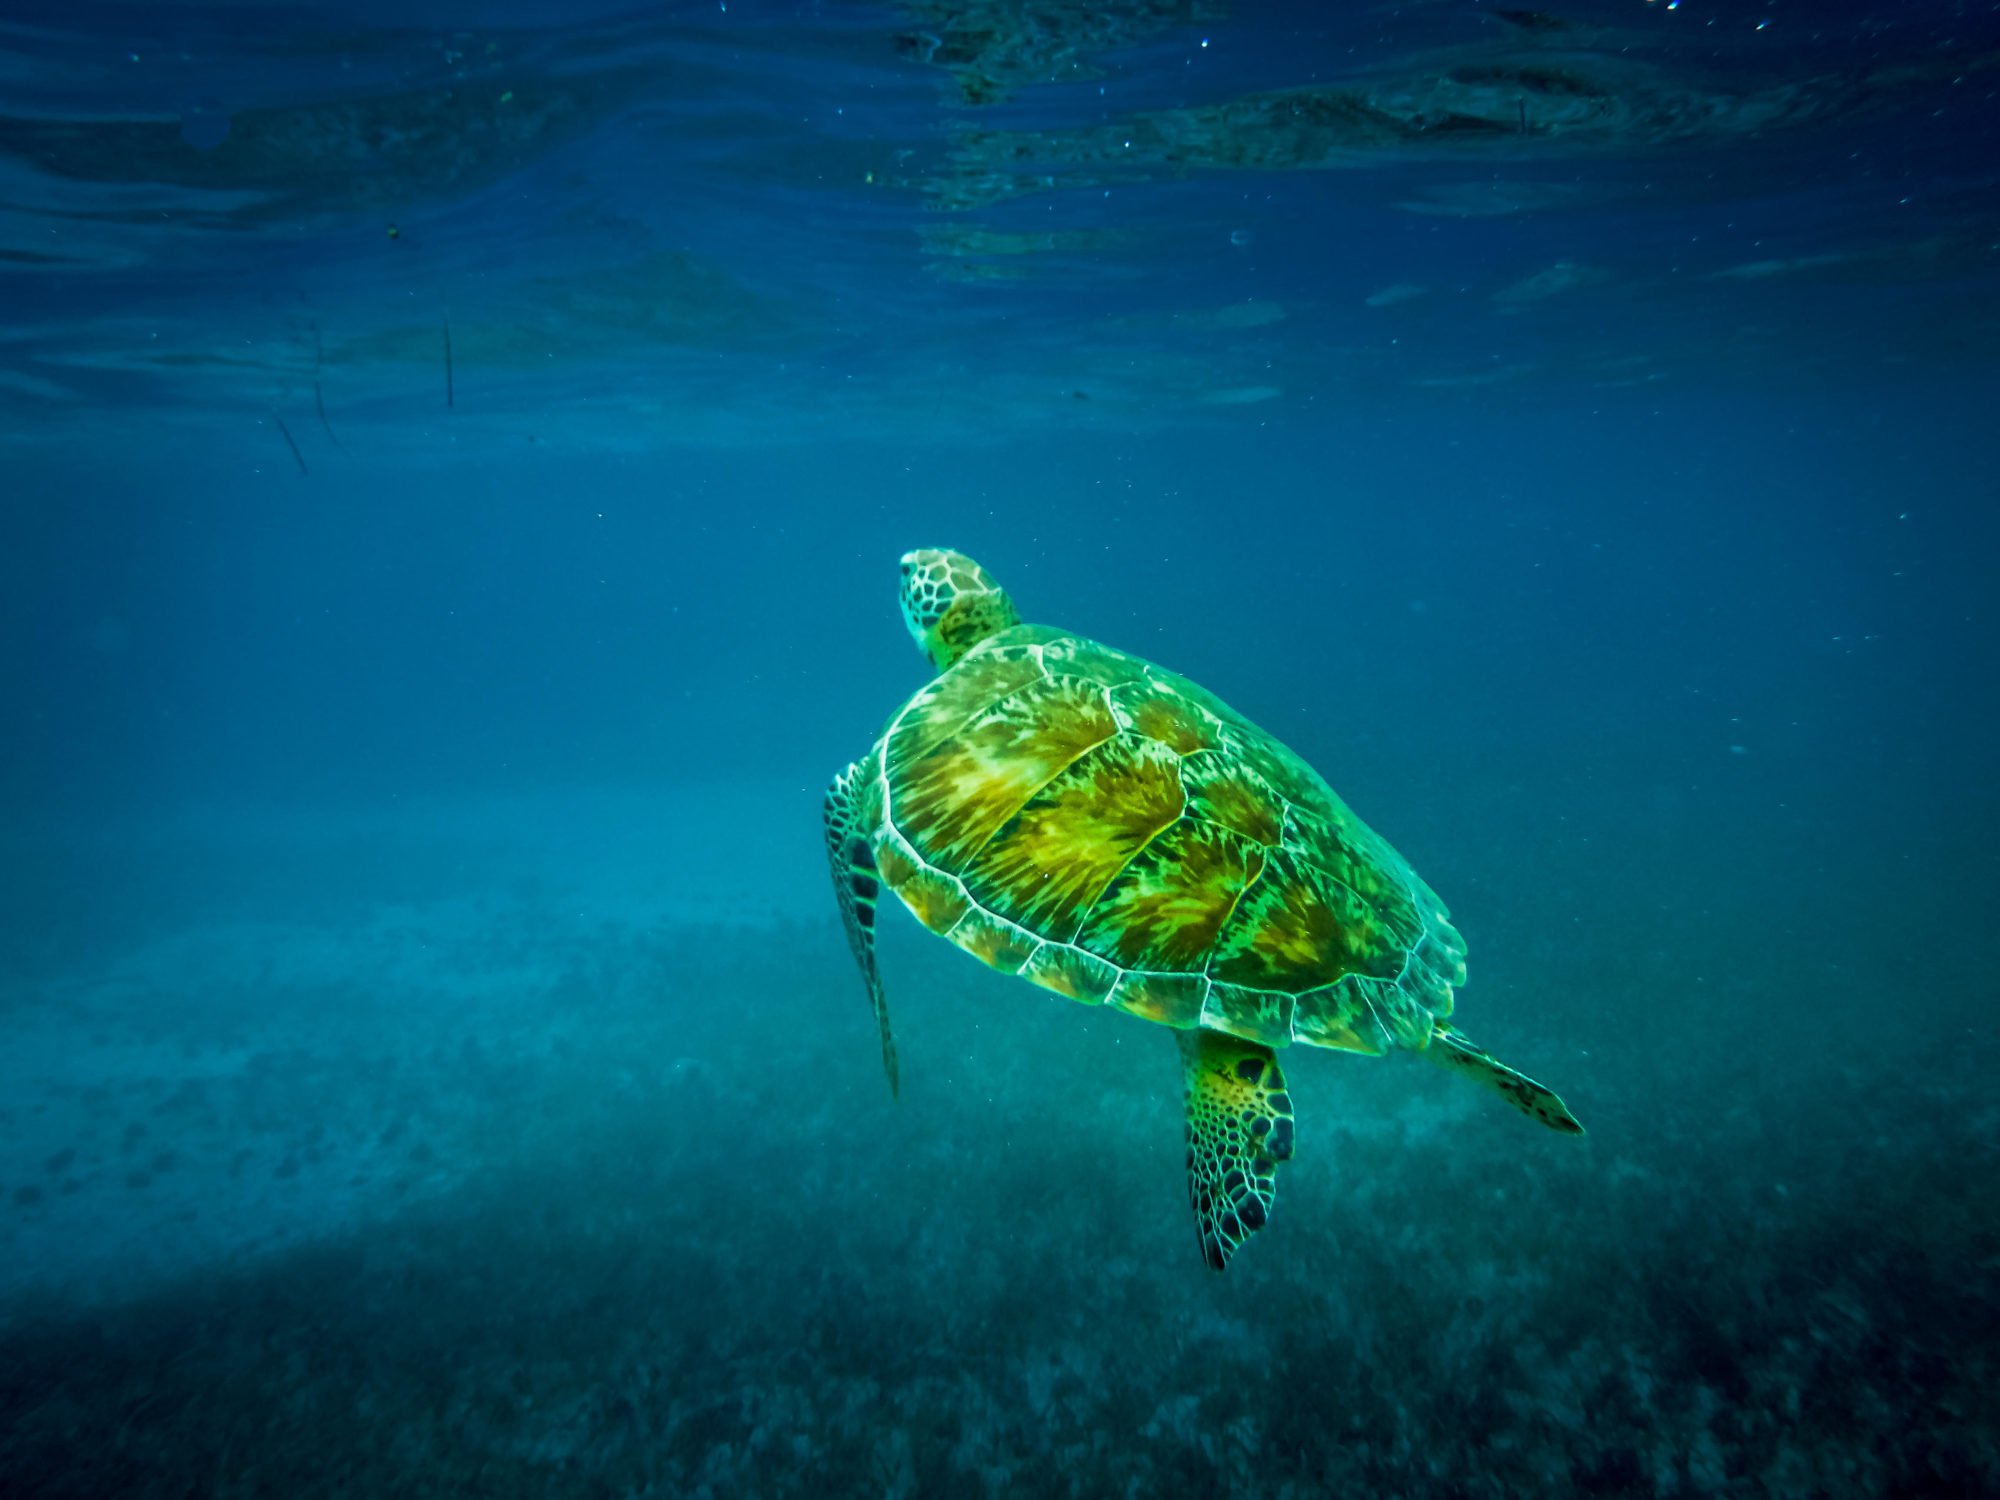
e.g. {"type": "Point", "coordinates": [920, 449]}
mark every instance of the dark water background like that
{"type": "Point", "coordinates": [432, 1063]}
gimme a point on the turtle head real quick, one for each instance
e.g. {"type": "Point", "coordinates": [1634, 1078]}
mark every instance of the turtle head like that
{"type": "Point", "coordinates": [951, 604]}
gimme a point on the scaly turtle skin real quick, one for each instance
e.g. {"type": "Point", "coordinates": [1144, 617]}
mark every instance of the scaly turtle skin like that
{"type": "Point", "coordinates": [1114, 833]}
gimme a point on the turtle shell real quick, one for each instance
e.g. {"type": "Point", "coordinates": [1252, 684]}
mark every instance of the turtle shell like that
{"type": "Point", "coordinates": [1113, 832]}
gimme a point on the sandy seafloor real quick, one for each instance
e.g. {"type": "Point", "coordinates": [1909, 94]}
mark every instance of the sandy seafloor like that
{"type": "Point", "coordinates": [479, 1149]}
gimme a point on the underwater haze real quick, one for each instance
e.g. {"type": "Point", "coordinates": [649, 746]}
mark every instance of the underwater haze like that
{"type": "Point", "coordinates": [454, 461]}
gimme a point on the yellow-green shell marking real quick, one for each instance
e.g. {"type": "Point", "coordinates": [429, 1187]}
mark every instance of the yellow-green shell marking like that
{"type": "Point", "coordinates": [1094, 823]}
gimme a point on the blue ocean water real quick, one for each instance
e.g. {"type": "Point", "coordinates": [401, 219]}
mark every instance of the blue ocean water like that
{"type": "Point", "coordinates": [453, 465]}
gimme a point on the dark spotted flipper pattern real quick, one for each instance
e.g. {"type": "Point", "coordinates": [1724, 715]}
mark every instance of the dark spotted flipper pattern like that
{"type": "Point", "coordinates": [856, 884]}
{"type": "Point", "coordinates": [1532, 1099]}
{"type": "Point", "coordinates": [1239, 1127]}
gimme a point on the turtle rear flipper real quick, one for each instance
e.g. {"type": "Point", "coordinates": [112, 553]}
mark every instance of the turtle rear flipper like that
{"type": "Point", "coordinates": [856, 883]}
{"type": "Point", "coordinates": [1538, 1102]}
{"type": "Point", "coordinates": [1239, 1127]}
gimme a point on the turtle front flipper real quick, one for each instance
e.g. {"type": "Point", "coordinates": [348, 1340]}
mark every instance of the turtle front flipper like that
{"type": "Point", "coordinates": [855, 881]}
{"type": "Point", "coordinates": [1239, 1127]}
{"type": "Point", "coordinates": [1538, 1102]}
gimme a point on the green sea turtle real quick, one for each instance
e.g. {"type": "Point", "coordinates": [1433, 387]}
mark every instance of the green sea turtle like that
{"type": "Point", "coordinates": [1114, 833]}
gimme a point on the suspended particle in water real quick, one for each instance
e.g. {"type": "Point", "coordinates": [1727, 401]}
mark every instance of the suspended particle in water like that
{"type": "Point", "coordinates": [204, 124]}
